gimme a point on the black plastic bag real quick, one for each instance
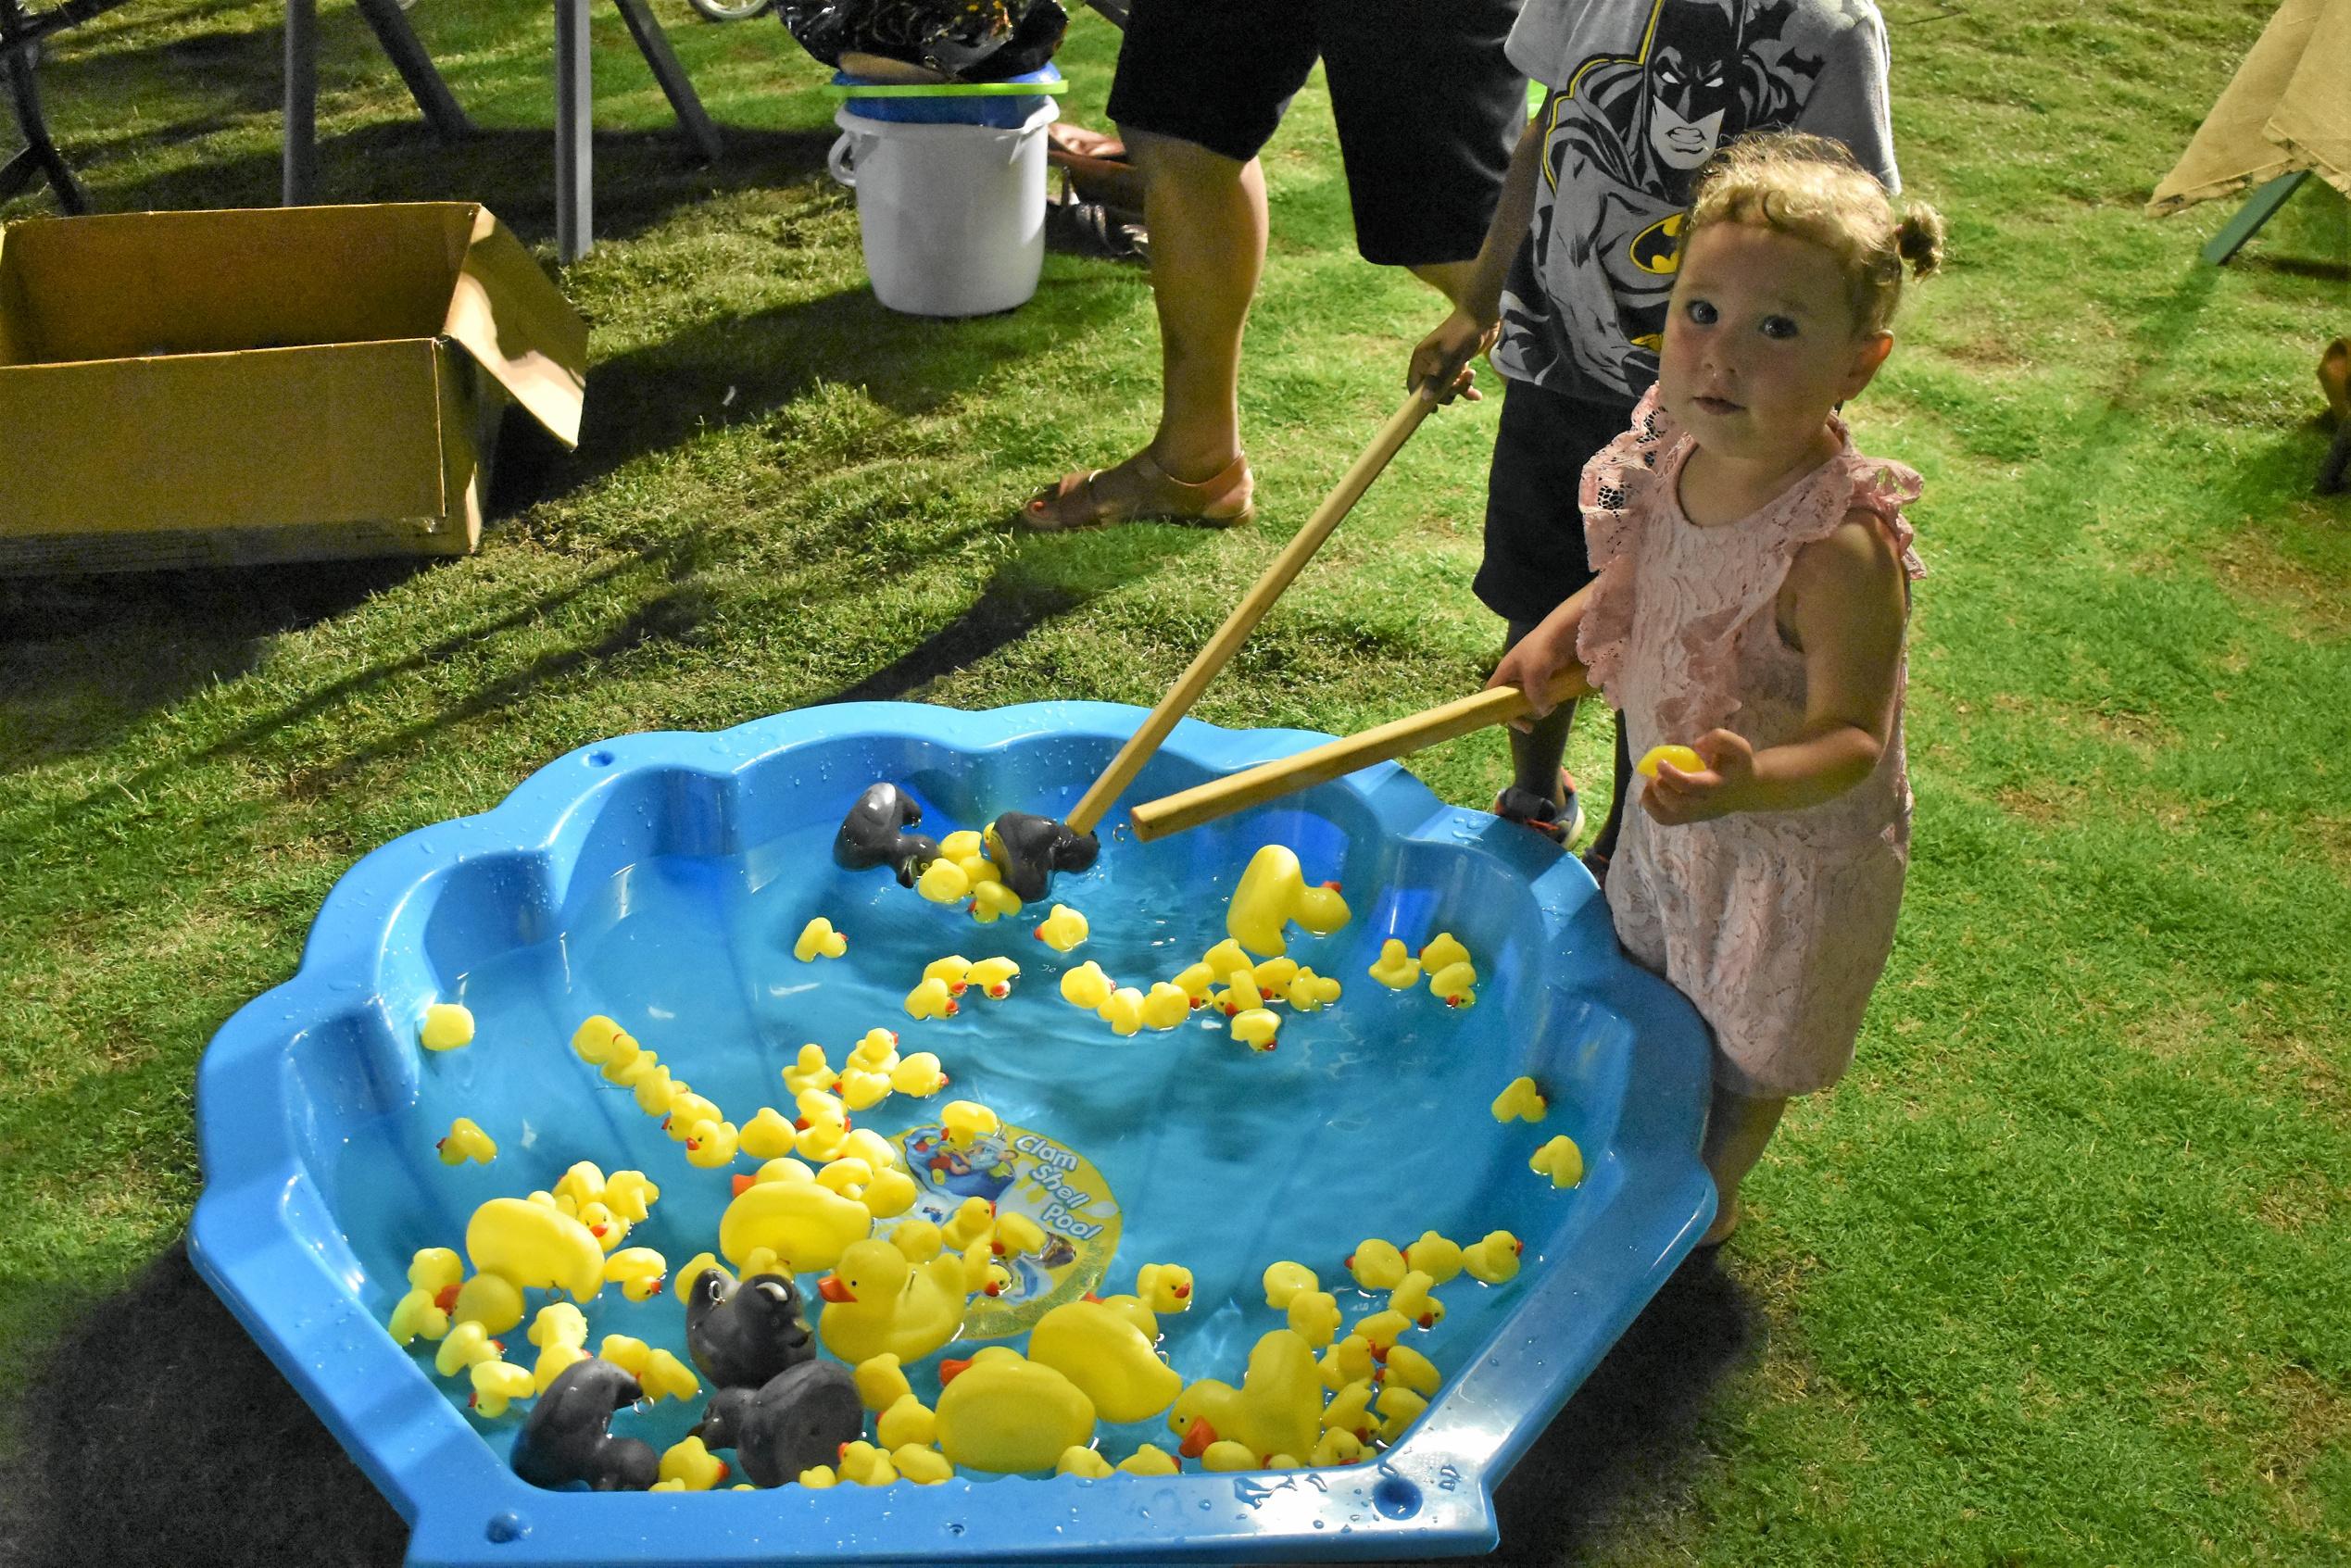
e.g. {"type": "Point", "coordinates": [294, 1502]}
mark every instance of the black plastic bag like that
{"type": "Point", "coordinates": [970, 40]}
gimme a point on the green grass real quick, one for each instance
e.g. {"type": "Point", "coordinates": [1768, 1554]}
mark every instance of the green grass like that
{"type": "Point", "coordinates": [2057, 1276]}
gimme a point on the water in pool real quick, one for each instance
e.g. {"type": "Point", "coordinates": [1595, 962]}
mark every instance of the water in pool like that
{"type": "Point", "coordinates": [1369, 1119]}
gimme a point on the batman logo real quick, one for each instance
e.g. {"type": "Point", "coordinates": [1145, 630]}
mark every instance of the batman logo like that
{"type": "Point", "coordinates": [1657, 250]}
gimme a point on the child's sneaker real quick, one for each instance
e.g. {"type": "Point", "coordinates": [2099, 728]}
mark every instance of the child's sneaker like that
{"type": "Point", "coordinates": [1561, 824]}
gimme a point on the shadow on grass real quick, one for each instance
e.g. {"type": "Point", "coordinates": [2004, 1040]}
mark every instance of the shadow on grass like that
{"type": "Point", "coordinates": [155, 1426]}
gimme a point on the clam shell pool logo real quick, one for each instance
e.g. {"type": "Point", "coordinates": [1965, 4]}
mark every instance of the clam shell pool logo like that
{"type": "Point", "coordinates": [1021, 1172]}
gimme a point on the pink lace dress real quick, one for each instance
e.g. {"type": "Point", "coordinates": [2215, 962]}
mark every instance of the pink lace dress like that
{"type": "Point", "coordinates": [1775, 924]}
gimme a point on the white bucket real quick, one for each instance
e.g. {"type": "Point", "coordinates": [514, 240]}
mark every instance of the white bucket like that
{"type": "Point", "coordinates": [953, 216]}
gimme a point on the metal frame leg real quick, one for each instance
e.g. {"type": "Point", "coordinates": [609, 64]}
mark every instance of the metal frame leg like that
{"type": "Point", "coordinates": [300, 161]}
{"type": "Point", "coordinates": [654, 44]}
{"type": "Point", "coordinates": [400, 41]}
{"type": "Point", "coordinates": [574, 102]}
{"type": "Point", "coordinates": [2258, 210]}
{"type": "Point", "coordinates": [40, 157]}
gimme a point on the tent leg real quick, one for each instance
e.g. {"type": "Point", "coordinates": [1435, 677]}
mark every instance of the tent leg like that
{"type": "Point", "coordinates": [2256, 211]}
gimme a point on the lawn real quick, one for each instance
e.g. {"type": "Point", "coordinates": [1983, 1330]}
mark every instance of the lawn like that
{"type": "Point", "coordinates": [2061, 1273]}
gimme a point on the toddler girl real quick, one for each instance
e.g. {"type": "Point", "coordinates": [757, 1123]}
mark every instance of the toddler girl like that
{"type": "Point", "coordinates": [1752, 587]}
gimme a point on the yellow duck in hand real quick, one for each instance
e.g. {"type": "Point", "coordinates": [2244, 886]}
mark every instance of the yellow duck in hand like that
{"type": "Point", "coordinates": [1277, 1409]}
{"type": "Point", "coordinates": [1108, 1357]}
{"type": "Point", "coordinates": [875, 1301]}
{"type": "Point", "coordinates": [1273, 892]}
{"type": "Point", "coordinates": [1397, 969]}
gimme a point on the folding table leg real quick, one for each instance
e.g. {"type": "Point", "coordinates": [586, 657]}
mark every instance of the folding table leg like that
{"type": "Point", "coordinates": [299, 160]}
{"type": "Point", "coordinates": [2258, 209]}
{"type": "Point", "coordinates": [654, 44]}
{"type": "Point", "coordinates": [40, 156]}
{"type": "Point", "coordinates": [574, 177]}
{"type": "Point", "coordinates": [433, 97]}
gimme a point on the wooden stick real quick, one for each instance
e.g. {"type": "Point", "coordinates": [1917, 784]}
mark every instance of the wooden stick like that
{"type": "Point", "coordinates": [1270, 781]}
{"type": "Point", "coordinates": [1260, 598]}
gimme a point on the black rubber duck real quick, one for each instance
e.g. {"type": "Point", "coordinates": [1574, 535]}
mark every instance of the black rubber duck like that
{"type": "Point", "coordinates": [742, 1334]}
{"type": "Point", "coordinates": [874, 834]}
{"type": "Point", "coordinates": [799, 1419]}
{"type": "Point", "coordinates": [568, 1439]}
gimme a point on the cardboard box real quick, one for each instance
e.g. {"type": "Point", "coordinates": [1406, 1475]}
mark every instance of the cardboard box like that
{"type": "Point", "coordinates": [274, 383]}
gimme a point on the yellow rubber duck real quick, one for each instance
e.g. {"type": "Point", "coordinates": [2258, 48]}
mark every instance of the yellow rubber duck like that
{"type": "Point", "coordinates": [1454, 985]}
{"type": "Point", "coordinates": [447, 1026]}
{"type": "Point", "coordinates": [1063, 929]}
{"type": "Point", "coordinates": [598, 1038]}
{"type": "Point", "coordinates": [1412, 1298]}
{"type": "Point", "coordinates": [881, 1382]}
{"type": "Point", "coordinates": [1376, 1264]}
{"type": "Point", "coordinates": [1239, 995]}
{"type": "Point", "coordinates": [848, 1175]}
{"type": "Point", "coordinates": [808, 1071]}
{"type": "Point", "coordinates": [966, 1121]}
{"type": "Point", "coordinates": [1272, 976]}
{"type": "Point", "coordinates": [560, 1333]}
{"type": "Point", "coordinates": [1151, 1459]}
{"type": "Point", "coordinates": [918, 1074]}
{"type": "Point", "coordinates": [863, 1464]}
{"type": "Point", "coordinates": [876, 1050]}
{"type": "Point", "coordinates": [891, 1193]}
{"type": "Point", "coordinates": [1225, 1456]}
{"type": "Point", "coordinates": [417, 1316]}
{"type": "Point", "coordinates": [1164, 1288]}
{"type": "Point", "coordinates": [806, 1225]}
{"type": "Point", "coordinates": [1349, 1359]}
{"type": "Point", "coordinates": [710, 1145]}
{"type": "Point", "coordinates": [991, 900]}
{"type": "Point", "coordinates": [1381, 1330]}
{"type": "Point", "coordinates": [768, 1135]}
{"type": "Point", "coordinates": [1397, 969]}
{"type": "Point", "coordinates": [862, 1090]}
{"type": "Point", "coordinates": [1561, 1160]}
{"type": "Point", "coordinates": [931, 999]}
{"type": "Point", "coordinates": [687, 1109]}
{"type": "Point", "coordinates": [1521, 1100]}
{"type": "Point", "coordinates": [1137, 1311]}
{"type": "Point", "coordinates": [1227, 957]}
{"type": "Point", "coordinates": [1107, 1358]}
{"type": "Point", "coordinates": [1277, 1409]}
{"type": "Point", "coordinates": [954, 970]}
{"type": "Point", "coordinates": [1494, 1259]}
{"type": "Point", "coordinates": [638, 1271]}
{"type": "Point", "coordinates": [876, 1301]}
{"type": "Point", "coordinates": [817, 1477]}
{"type": "Point", "coordinates": [492, 1300]}
{"type": "Point", "coordinates": [995, 977]}
{"type": "Point", "coordinates": [1256, 1028]}
{"type": "Point", "coordinates": [1350, 1410]}
{"type": "Point", "coordinates": [1681, 757]}
{"type": "Point", "coordinates": [1122, 1010]}
{"type": "Point", "coordinates": [1087, 986]}
{"type": "Point", "coordinates": [904, 1421]}
{"type": "Point", "coordinates": [692, 1465]}
{"type": "Point", "coordinates": [1434, 1256]}
{"type": "Point", "coordinates": [1196, 982]}
{"type": "Point", "coordinates": [943, 881]}
{"type": "Point", "coordinates": [1087, 1464]}
{"type": "Point", "coordinates": [1399, 1408]}
{"type": "Point", "coordinates": [1017, 1235]}
{"type": "Point", "coordinates": [652, 1087]}
{"type": "Point", "coordinates": [495, 1385]}
{"type": "Point", "coordinates": [1412, 1370]}
{"type": "Point", "coordinates": [630, 1195]}
{"type": "Point", "coordinates": [462, 1345]}
{"type": "Point", "coordinates": [534, 1246]}
{"type": "Point", "coordinates": [1314, 1316]}
{"type": "Point", "coordinates": [1442, 951]}
{"type": "Point", "coordinates": [963, 844]}
{"type": "Point", "coordinates": [1336, 1449]}
{"type": "Point", "coordinates": [1165, 1005]}
{"type": "Point", "coordinates": [919, 1239]}
{"type": "Point", "coordinates": [1311, 992]}
{"type": "Point", "coordinates": [922, 1464]}
{"type": "Point", "coordinates": [1003, 1413]}
{"type": "Point", "coordinates": [465, 1141]}
{"type": "Point", "coordinates": [972, 1223]}
{"type": "Point", "coordinates": [659, 1373]}
{"type": "Point", "coordinates": [1272, 892]}
{"type": "Point", "coordinates": [1285, 1280]}
{"type": "Point", "coordinates": [818, 940]}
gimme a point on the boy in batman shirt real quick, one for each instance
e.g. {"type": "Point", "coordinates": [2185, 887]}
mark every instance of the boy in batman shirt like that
{"type": "Point", "coordinates": [1581, 256]}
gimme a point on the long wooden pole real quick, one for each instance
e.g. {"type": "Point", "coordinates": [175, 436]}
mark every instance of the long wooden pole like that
{"type": "Point", "coordinates": [1260, 598]}
{"type": "Point", "coordinates": [1270, 781]}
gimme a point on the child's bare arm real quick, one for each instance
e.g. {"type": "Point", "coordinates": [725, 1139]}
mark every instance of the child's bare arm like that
{"type": "Point", "coordinates": [1445, 353]}
{"type": "Point", "coordinates": [1848, 611]}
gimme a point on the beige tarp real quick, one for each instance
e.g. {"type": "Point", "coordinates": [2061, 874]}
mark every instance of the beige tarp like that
{"type": "Point", "coordinates": [2288, 109]}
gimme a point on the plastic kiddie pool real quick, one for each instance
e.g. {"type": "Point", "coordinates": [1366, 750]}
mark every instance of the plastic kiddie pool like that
{"type": "Point", "coordinates": [661, 879]}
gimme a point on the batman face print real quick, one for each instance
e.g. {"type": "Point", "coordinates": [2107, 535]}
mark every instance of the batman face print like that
{"type": "Point", "coordinates": [1693, 80]}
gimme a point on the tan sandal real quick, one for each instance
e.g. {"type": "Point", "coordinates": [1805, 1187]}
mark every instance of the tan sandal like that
{"type": "Point", "coordinates": [1080, 501]}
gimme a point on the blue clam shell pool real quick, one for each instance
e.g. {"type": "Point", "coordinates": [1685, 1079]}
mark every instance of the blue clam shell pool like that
{"type": "Point", "coordinates": [663, 878]}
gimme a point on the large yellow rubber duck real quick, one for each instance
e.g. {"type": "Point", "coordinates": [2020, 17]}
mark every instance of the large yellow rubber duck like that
{"type": "Point", "coordinates": [1273, 892]}
{"type": "Point", "coordinates": [876, 1302]}
{"type": "Point", "coordinates": [1108, 1357]}
{"type": "Point", "coordinates": [1277, 1409]}
{"type": "Point", "coordinates": [806, 1225]}
{"type": "Point", "coordinates": [1003, 1412]}
{"type": "Point", "coordinates": [535, 1246]}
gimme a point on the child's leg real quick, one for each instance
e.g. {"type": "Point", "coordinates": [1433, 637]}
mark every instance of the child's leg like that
{"type": "Point", "coordinates": [1737, 1129]}
{"type": "Point", "coordinates": [1537, 752]}
{"type": "Point", "coordinates": [1621, 798]}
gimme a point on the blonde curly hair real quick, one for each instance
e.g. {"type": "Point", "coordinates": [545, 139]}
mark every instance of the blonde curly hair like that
{"type": "Point", "coordinates": [1811, 188]}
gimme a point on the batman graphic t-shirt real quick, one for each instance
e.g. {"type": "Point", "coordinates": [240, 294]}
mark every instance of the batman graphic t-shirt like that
{"type": "Point", "coordinates": [1642, 94]}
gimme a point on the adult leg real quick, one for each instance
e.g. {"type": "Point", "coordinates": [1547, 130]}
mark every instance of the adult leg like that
{"type": "Point", "coordinates": [1737, 1129]}
{"type": "Point", "coordinates": [1206, 213]}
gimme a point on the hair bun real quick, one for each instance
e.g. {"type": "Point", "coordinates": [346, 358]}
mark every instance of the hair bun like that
{"type": "Point", "coordinates": [1918, 239]}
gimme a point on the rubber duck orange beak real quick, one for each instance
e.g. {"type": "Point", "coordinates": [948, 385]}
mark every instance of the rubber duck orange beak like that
{"type": "Point", "coordinates": [1197, 1438]}
{"type": "Point", "coordinates": [742, 1183]}
{"type": "Point", "coordinates": [832, 1289]}
{"type": "Point", "coordinates": [951, 1369]}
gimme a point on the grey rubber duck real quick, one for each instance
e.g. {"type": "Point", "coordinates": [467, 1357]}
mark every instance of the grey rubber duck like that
{"type": "Point", "coordinates": [742, 1334]}
{"type": "Point", "coordinates": [568, 1439]}
{"type": "Point", "coordinates": [799, 1419]}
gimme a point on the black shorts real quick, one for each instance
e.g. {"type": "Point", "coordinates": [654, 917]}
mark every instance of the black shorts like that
{"type": "Point", "coordinates": [1535, 556]}
{"type": "Point", "coordinates": [1427, 105]}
